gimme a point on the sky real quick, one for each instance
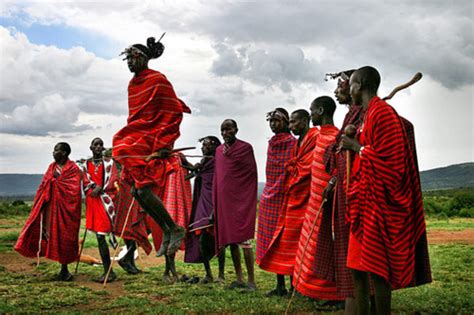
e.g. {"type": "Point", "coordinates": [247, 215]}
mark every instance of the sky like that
{"type": "Point", "coordinates": [61, 77]}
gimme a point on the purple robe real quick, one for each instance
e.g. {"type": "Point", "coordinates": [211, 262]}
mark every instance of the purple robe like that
{"type": "Point", "coordinates": [202, 211]}
{"type": "Point", "coordinates": [235, 194]}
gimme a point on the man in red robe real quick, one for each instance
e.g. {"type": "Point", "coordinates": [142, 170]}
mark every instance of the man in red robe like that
{"type": "Point", "coordinates": [387, 227]}
{"type": "Point", "coordinates": [100, 176]}
{"type": "Point", "coordinates": [143, 147]}
{"type": "Point", "coordinates": [280, 256]}
{"type": "Point", "coordinates": [280, 149]}
{"type": "Point", "coordinates": [52, 230]}
{"type": "Point", "coordinates": [235, 200]}
{"type": "Point", "coordinates": [317, 219]}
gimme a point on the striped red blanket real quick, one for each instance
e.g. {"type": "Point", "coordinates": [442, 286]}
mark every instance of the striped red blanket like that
{"type": "Point", "coordinates": [155, 114]}
{"type": "Point", "coordinates": [305, 280]}
{"type": "Point", "coordinates": [385, 207]}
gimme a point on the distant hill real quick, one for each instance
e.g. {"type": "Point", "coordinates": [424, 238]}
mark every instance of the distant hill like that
{"type": "Point", "coordinates": [450, 177]}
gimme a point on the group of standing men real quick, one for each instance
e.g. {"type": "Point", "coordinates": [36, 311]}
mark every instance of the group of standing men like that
{"type": "Point", "coordinates": [341, 215]}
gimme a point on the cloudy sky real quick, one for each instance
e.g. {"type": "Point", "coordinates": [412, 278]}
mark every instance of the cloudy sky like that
{"type": "Point", "coordinates": [61, 78]}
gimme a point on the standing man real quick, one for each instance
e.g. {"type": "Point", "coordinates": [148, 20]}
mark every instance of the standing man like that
{"type": "Point", "coordinates": [143, 146]}
{"type": "Point", "coordinates": [280, 256]}
{"type": "Point", "coordinates": [235, 200]}
{"type": "Point", "coordinates": [100, 176]}
{"type": "Point", "coordinates": [52, 230]}
{"type": "Point", "coordinates": [387, 227]}
{"type": "Point", "coordinates": [317, 220]}
{"type": "Point", "coordinates": [200, 242]}
{"type": "Point", "coordinates": [280, 148]}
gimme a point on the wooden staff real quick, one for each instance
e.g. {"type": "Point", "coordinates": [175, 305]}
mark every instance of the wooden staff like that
{"type": "Point", "coordinates": [40, 240]}
{"type": "Point", "coordinates": [350, 131]}
{"type": "Point", "coordinates": [80, 251]}
{"type": "Point", "coordinates": [417, 77]}
{"type": "Point", "coordinates": [304, 252]}
{"type": "Point", "coordinates": [116, 249]}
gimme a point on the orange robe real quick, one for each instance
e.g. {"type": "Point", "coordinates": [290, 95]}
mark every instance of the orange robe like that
{"type": "Point", "coordinates": [280, 256]}
{"type": "Point", "coordinates": [305, 279]}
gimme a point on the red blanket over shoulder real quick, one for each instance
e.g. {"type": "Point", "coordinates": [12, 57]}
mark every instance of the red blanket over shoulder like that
{"type": "Point", "coordinates": [62, 195]}
{"type": "Point", "coordinates": [384, 201]}
{"type": "Point", "coordinates": [155, 113]}
{"type": "Point", "coordinates": [280, 256]}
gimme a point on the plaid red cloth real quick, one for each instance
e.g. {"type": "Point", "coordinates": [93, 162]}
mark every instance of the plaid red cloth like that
{"type": "Point", "coordinates": [59, 200]}
{"type": "Point", "coordinates": [177, 196]}
{"type": "Point", "coordinates": [155, 113]}
{"type": "Point", "coordinates": [136, 228]}
{"type": "Point", "coordinates": [331, 254]}
{"type": "Point", "coordinates": [280, 256]}
{"type": "Point", "coordinates": [280, 148]}
{"type": "Point", "coordinates": [385, 204]}
{"type": "Point", "coordinates": [305, 280]}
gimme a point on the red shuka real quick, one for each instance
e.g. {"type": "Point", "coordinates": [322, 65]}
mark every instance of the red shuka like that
{"type": "Point", "coordinates": [155, 113]}
{"type": "Point", "coordinates": [280, 256]}
{"type": "Point", "coordinates": [58, 201]}
{"type": "Point", "coordinates": [385, 205]}
{"type": "Point", "coordinates": [305, 279]}
{"type": "Point", "coordinates": [100, 210]}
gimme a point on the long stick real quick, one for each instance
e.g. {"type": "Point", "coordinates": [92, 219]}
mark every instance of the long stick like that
{"type": "Point", "coordinates": [80, 251]}
{"type": "Point", "coordinates": [304, 252]}
{"type": "Point", "coordinates": [116, 249]}
{"type": "Point", "coordinates": [40, 240]}
{"type": "Point", "coordinates": [417, 77]}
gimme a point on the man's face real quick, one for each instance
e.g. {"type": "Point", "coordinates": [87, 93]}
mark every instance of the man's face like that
{"type": "Point", "coordinates": [228, 132]}
{"type": "Point", "coordinates": [316, 114]}
{"type": "Point", "coordinates": [342, 93]}
{"type": "Point", "coordinates": [97, 147]}
{"type": "Point", "coordinates": [136, 62]}
{"type": "Point", "coordinates": [277, 124]}
{"type": "Point", "coordinates": [208, 147]}
{"type": "Point", "coordinates": [354, 88]}
{"type": "Point", "coordinates": [297, 124]}
{"type": "Point", "coordinates": [59, 154]}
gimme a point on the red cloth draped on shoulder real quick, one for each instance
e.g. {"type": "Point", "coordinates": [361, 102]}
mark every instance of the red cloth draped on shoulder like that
{"type": "Point", "coordinates": [136, 228]}
{"type": "Point", "coordinates": [59, 200]}
{"type": "Point", "coordinates": [308, 283]}
{"type": "Point", "coordinates": [385, 207]}
{"type": "Point", "coordinates": [234, 194]}
{"type": "Point", "coordinates": [280, 148]}
{"type": "Point", "coordinates": [177, 196]}
{"type": "Point", "coordinates": [155, 113]}
{"type": "Point", "coordinates": [330, 255]}
{"type": "Point", "coordinates": [280, 256]}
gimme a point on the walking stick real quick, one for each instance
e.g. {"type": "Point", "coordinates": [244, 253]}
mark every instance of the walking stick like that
{"type": "Point", "coordinates": [116, 249]}
{"type": "Point", "coordinates": [304, 252]}
{"type": "Point", "coordinates": [80, 251]}
{"type": "Point", "coordinates": [417, 77]}
{"type": "Point", "coordinates": [350, 131]}
{"type": "Point", "coordinates": [39, 243]}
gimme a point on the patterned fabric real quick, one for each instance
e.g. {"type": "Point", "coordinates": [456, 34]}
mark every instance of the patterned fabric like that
{"type": "Point", "coordinates": [234, 194]}
{"type": "Point", "coordinates": [136, 228]}
{"type": "Point", "coordinates": [155, 114]}
{"type": "Point", "coordinates": [280, 148]}
{"type": "Point", "coordinates": [332, 253]}
{"type": "Point", "coordinates": [177, 197]}
{"type": "Point", "coordinates": [280, 256]}
{"type": "Point", "coordinates": [385, 203]}
{"type": "Point", "coordinates": [58, 203]}
{"type": "Point", "coordinates": [305, 279]}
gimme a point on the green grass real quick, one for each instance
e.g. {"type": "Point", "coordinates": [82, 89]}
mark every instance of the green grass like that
{"type": "Point", "coordinates": [34, 292]}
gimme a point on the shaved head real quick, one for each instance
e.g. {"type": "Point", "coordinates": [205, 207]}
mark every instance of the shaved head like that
{"type": "Point", "coordinates": [369, 79]}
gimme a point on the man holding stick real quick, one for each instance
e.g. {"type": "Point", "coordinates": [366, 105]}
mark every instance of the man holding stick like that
{"type": "Point", "coordinates": [387, 228]}
{"type": "Point", "coordinates": [155, 114]}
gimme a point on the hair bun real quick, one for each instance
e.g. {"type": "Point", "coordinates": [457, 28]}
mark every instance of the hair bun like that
{"type": "Point", "coordinates": [156, 48]}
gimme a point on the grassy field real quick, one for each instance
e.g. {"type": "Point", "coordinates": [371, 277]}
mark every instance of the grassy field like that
{"type": "Point", "coordinates": [27, 289]}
